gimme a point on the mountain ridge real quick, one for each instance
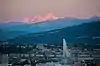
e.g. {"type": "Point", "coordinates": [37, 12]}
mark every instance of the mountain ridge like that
{"type": "Point", "coordinates": [85, 33]}
{"type": "Point", "coordinates": [20, 27]}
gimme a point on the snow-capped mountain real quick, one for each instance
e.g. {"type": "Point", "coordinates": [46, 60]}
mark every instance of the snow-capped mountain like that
{"type": "Point", "coordinates": [46, 17]}
{"type": "Point", "coordinates": [37, 18]}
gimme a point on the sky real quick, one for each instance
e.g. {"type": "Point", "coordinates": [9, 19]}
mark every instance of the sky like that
{"type": "Point", "coordinates": [15, 9]}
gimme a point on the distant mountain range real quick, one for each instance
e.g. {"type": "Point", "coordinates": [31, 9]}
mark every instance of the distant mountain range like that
{"type": "Point", "coordinates": [10, 30]}
{"type": "Point", "coordinates": [85, 33]}
{"type": "Point", "coordinates": [46, 17]}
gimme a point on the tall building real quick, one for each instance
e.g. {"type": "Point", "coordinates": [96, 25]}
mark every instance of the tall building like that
{"type": "Point", "coordinates": [4, 60]}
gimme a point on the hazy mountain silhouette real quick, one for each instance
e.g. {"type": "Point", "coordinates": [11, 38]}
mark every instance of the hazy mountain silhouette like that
{"type": "Point", "coordinates": [85, 33]}
{"type": "Point", "coordinates": [14, 29]}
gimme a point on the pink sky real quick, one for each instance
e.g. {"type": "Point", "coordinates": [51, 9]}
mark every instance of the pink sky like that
{"type": "Point", "coordinates": [14, 9]}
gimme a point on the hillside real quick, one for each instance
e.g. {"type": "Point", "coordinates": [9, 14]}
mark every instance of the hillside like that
{"type": "Point", "coordinates": [85, 33]}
